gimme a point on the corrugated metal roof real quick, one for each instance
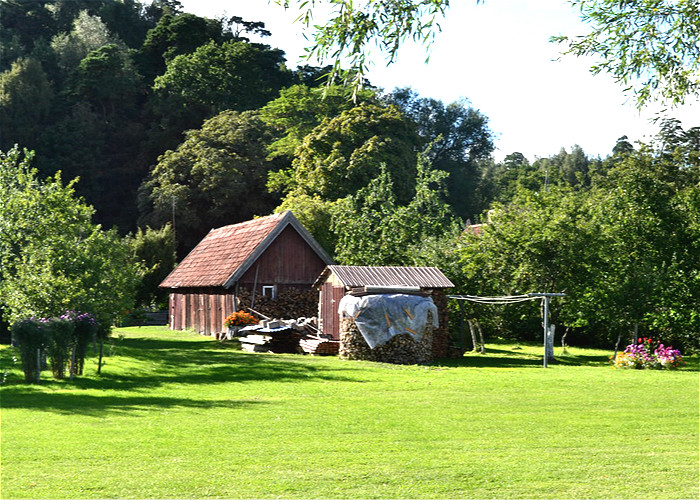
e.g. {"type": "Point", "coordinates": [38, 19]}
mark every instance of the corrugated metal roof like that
{"type": "Point", "coordinates": [386, 276]}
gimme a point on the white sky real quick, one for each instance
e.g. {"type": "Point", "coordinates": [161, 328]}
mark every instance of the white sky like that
{"type": "Point", "coordinates": [498, 56]}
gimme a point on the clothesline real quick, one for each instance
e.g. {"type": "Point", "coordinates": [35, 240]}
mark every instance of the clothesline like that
{"type": "Point", "coordinates": [506, 299]}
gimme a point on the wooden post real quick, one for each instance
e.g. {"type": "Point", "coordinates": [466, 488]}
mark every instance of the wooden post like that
{"type": "Point", "coordinates": [546, 331]}
{"type": "Point", "coordinates": [548, 336]}
{"type": "Point", "coordinates": [461, 326]}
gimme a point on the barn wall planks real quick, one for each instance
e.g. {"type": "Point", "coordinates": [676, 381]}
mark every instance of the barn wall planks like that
{"type": "Point", "coordinates": [203, 311]}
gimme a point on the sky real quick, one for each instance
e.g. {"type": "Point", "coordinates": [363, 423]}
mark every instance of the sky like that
{"type": "Point", "coordinates": [496, 55]}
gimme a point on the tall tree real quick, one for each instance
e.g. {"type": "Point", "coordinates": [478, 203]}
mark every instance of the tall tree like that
{"type": "Point", "coordinates": [26, 97]}
{"type": "Point", "coordinates": [371, 228]}
{"type": "Point", "coordinates": [215, 177]}
{"type": "Point", "coordinates": [345, 153]}
{"type": "Point", "coordinates": [460, 139]}
{"type": "Point", "coordinates": [301, 108]}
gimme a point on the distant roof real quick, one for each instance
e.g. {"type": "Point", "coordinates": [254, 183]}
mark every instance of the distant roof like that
{"type": "Point", "coordinates": [226, 253]}
{"type": "Point", "coordinates": [387, 276]}
{"type": "Point", "coordinates": [475, 228]}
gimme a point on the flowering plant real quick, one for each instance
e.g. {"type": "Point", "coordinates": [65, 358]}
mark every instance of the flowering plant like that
{"type": "Point", "coordinates": [647, 353]}
{"type": "Point", "coordinates": [240, 318]}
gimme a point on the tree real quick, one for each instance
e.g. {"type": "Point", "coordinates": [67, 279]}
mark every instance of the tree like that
{"type": "Point", "coordinates": [373, 229]}
{"type": "Point", "coordinates": [154, 249]}
{"type": "Point", "coordinates": [52, 257]}
{"type": "Point", "coordinates": [106, 79]}
{"type": "Point", "coordinates": [25, 102]}
{"type": "Point", "coordinates": [460, 139]}
{"type": "Point", "coordinates": [343, 154]}
{"type": "Point", "coordinates": [174, 35]}
{"type": "Point", "coordinates": [538, 242]}
{"type": "Point", "coordinates": [650, 47]}
{"type": "Point", "coordinates": [301, 108]}
{"type": "Point", "coordinates": [215, 177]}
{"type": "Point", "coordinates": [89, 33]}
{"type": "Point", "coordinates": [233, 75]}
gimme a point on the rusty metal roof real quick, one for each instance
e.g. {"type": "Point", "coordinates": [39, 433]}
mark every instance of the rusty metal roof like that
{"type": "Point", "coordinates": [224, 254]}
{"type": "Point", "coordinates": [387, 276]}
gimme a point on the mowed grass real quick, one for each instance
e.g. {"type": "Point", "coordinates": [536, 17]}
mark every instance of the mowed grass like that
{"type": "Point", "coordinates": [177, 415]}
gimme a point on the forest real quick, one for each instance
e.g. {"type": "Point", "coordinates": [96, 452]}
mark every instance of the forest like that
{"type": "Point", "coordinates": [147, 126]}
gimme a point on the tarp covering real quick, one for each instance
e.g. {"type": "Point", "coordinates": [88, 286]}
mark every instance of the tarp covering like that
{"type": "Point", "coordinates": [380, 317]}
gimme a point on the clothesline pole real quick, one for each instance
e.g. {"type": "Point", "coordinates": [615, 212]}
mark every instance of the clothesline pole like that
{"type": "Point", "coordinates": [514, 299]}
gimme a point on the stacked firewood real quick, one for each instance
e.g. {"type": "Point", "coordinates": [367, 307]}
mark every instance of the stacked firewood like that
{"type": "Point", "coordinates": [282, 341]}
{"type": "Point", "coordinates": [320, 346]}
{"type": "Point", "coordinates": [400, 349]}
{"type": "Point", "coordinates": [289, 303]}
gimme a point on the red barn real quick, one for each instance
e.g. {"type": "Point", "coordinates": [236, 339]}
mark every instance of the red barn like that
{"type": "Point", "coordinates": [263, 258]}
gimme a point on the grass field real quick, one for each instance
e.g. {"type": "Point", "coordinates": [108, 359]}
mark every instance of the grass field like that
{"type": "Point", "coordinates": [177, 415]}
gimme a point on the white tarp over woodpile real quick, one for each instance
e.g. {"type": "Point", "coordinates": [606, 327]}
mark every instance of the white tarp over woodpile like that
{"type": "Point", "coordinates": [380, 317]}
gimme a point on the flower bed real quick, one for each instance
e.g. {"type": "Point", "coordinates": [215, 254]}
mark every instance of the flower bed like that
{"type": "Point", "coordinates": [647, 353]}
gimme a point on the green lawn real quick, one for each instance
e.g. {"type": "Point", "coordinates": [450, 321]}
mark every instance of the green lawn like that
{"type": "Point", "coordinates": [177, 415]}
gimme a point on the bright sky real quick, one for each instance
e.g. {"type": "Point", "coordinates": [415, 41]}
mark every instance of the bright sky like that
{"type": "Point", "coordinates": [497, 55]}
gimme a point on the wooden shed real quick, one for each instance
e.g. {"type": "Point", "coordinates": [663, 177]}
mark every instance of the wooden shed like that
{"type": "Point", "coordinates": [336, 281]}
{"type": "Point", "coordinates": [261, 260]}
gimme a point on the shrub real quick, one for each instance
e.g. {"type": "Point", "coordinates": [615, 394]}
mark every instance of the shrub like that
{"type": "Point", "coordinates": [643, 354]}
{"type": "Point", "coordinates": [84, 330]}
{"type": "Point", "coordinates": [59, 345]}
{"type": "Point", "coordinates": [31, 337]}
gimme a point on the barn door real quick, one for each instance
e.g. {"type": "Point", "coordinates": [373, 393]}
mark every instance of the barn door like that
{"type": "Point", "coordinates": [330, 300]}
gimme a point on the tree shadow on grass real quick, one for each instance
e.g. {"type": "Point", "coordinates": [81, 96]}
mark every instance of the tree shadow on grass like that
{"type": "Point", "coordinates": [505, 358]}
{"type": "Point", "coordinates": [100, 406]}
{"type": "Point", "coordinates": [160, 362]}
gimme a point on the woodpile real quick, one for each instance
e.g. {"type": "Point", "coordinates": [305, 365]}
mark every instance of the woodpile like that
{"type": "Point", "coordinates": [319, 346]}
{"type": "Point", "coordinates": [282, 341]}
{"type": "Point", "coordinates": [287, 336]}
{"type": "Point", "coordinates": [289, 303]}
{"type": "Point", "coordinates": [401, 349]}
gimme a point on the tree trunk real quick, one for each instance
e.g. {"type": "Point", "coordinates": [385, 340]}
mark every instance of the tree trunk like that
{"type": "Point", "coordinates": [99, 361]}
{"type": "Point", "coordinates": [72, 362]}
{"type": "Point", "coordinates": [38, 366]}
{"type": "Point", "coordinates": [617, 345]}
{"type": "Point", "coordinates": [563, 340]}
{"type": "Point", "coordinates": [471, 330]}
{"type": "Point", "coordinates": [481, 336]}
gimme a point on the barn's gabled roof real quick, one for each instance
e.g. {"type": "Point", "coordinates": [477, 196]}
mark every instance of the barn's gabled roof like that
{"type": "Point", "coordinates": [386, 276]}
{"type": "Point", "coordinates": [226, 253]}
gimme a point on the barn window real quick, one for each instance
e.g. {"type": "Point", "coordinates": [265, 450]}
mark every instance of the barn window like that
{"type": "Point", "coordinates": [269, 292]}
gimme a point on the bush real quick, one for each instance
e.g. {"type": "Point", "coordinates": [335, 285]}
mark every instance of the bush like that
{"type": "Point", "coordinates": [85, 329]}
{"type": "Point", "coordinates": [31, 337]}
{"type": "Point", "coordinates": [59, 345]}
